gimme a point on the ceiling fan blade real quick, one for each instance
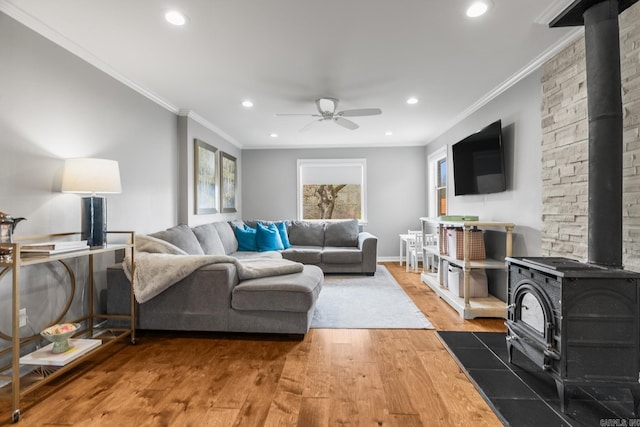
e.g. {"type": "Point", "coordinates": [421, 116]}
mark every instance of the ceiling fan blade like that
{"type": "Point", "coordinates": [309, 125]}
{"type": "Point", "coordinates": [297, 114]}
{"type": "Point", "coordinates": [345, 123]}
{"type": "Point", "coordinates": [360, 112]}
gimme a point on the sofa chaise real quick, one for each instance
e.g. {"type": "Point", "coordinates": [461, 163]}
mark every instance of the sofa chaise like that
{"type": "Point", "coordinates": [215, 298]}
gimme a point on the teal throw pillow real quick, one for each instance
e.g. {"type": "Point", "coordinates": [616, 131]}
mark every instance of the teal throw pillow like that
{"type": "Point", "coordinates": [282, 229]}
{"type": "Point", "coordinates": [246, 239]}
{"type": "Point", "coordinates": [268, 238]}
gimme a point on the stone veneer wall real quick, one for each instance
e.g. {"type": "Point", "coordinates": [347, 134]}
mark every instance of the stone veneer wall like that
{"type": "Point", "coordinates": [565, 147]}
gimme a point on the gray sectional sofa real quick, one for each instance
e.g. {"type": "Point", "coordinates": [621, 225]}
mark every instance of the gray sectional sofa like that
{"type": "Point", "coordinates": [335, 247]}
{"type": "Point", "coordinates": [213, 298]}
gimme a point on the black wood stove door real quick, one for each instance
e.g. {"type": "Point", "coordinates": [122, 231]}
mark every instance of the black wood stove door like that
{"type": "Point", "coordinates": [533, 321]}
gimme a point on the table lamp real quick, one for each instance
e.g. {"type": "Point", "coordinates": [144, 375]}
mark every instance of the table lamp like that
{"type": "Point", "coordinates": [92, 176]}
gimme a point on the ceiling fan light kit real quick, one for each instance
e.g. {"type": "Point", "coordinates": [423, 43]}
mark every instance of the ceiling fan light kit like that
{"type": "Point", "coordinates": [327, 111]}
{"type": "Point", "coordinates": [327, 105]}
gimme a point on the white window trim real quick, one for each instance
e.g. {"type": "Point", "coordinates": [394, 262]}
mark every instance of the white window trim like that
{"type": "Point", "coordinates": [432, 161]}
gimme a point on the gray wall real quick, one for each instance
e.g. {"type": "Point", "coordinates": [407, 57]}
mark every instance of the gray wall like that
{"type": "Point", "coordinates": [395, 185]}
{"type": "Point", "coordinates": [188, 130]}
{"type": "Point", "coordinates": [521, 204]}
{"type": "Point", "coordinates": [55, 106]}
{"type": "Point", "coordinates": [519, 109]}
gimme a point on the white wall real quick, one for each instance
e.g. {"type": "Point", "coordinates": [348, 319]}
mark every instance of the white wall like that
{"type": "Point", "coordinates": [519, 109]}
{"type": "Point", "coordinates": [396, 189]}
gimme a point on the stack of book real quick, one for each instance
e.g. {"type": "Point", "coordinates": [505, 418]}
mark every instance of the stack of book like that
{"type": "Point", "coordinates": [52, 248]}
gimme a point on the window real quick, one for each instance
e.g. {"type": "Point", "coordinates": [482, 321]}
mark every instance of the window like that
{"type": "Point", "coordinates": [332, 189]}
{"type": "Point", "coordinates": [438, 183]}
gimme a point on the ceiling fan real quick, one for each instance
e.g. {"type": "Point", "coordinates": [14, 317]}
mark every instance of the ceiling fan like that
{"type": "Point", "coordinates": [327, 111]}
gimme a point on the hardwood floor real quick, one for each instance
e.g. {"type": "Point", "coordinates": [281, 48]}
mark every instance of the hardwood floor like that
{"type": "Point", "coordinates": [332, 377]}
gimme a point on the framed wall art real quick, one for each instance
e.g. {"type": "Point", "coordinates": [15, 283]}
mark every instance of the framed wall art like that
{"type": "Point", "coordinates": [205, 166]}
{"type": "Point", "coordinates": [228, 182]}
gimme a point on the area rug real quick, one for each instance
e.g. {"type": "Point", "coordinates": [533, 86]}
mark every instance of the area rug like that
{"type": "Point", "coordinates": [366, 302]}
{"type": "Point", "coordinates": [521, 394]}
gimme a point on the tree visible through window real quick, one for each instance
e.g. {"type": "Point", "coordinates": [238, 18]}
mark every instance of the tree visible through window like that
{"type": "Point", "coordinates": [332, 189]}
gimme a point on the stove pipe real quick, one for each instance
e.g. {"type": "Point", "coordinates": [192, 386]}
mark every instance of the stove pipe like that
{"type": "Point", "coordinates": [604, 99]}
{"type": "Point", "coordinates": [602, 47]}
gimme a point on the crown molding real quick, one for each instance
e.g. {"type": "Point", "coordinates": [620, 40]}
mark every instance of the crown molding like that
{"type": "Point", "coordinates": [49, 33]}
{"type": "Point", "coordinates": [207, 124]}
{"type": "Point", "coordinates": [552, 11]}
{"type": "Point", "coordinates": [572, 36]}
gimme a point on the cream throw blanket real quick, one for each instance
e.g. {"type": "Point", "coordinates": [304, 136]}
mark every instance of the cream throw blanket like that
{"type": "Point", "coordinates": [159, 264]}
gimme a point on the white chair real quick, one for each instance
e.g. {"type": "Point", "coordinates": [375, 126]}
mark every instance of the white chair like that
{"type": "Point", "coordinates": [430, 240]}
{"type": "Point", "coordinates": [414, 249]}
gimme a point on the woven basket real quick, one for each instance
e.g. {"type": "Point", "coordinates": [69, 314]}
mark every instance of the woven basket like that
{"type": "Point", "coordinates": [455, 244]}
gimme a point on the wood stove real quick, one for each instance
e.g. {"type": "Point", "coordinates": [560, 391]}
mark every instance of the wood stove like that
{"type": "Point", "coordinates": [579, 322]}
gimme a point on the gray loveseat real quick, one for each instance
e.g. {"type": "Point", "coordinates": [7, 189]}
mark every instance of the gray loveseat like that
{"type": "Point", "coordinates": [212, 298]}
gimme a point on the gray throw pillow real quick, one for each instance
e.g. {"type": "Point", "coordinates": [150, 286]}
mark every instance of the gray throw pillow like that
{"type": "Point", "coordinates": [227, 236]}
{"type": "Point", "coordinates": [209, 239]}
{"type": "Point", "coordinates": [342, 233]}
{"type": "Point", "coordinates": [306, 233]}
{"type": "Point", "coordinates": [182, 237]}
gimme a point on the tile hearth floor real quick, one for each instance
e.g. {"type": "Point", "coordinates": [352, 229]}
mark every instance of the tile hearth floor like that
{"type": "Point", "coordinates": [521, 394]}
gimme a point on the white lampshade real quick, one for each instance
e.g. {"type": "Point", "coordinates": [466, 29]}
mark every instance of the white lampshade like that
{"type": "Point", "coordinates": [91, 176]}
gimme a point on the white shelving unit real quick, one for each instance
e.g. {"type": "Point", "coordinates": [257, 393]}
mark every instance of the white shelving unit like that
{"type": "Point", "coordinates": [468, 308]}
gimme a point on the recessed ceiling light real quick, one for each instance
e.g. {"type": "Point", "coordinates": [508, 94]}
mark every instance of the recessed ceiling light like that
{"type": "Point", "coordinates": [388, 133]}
{"type": "Point", "coordinates": [477, 8]}
{"type": "Point", "coordinates": [412, 100]}
{"type": "Point", "coordinates": [174, 17]}
{"type": "Point", "coordinates": [247, 104]}
{"type": "Point", "coordinates": [273, 135]}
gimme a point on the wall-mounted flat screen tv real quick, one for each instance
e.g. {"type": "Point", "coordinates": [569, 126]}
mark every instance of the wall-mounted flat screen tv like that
{"type": "Point", "coordinates": [478, 162]}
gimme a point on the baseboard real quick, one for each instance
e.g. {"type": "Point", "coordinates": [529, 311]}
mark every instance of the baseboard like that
{"type": "Point", "coordinates": [389, 259]}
